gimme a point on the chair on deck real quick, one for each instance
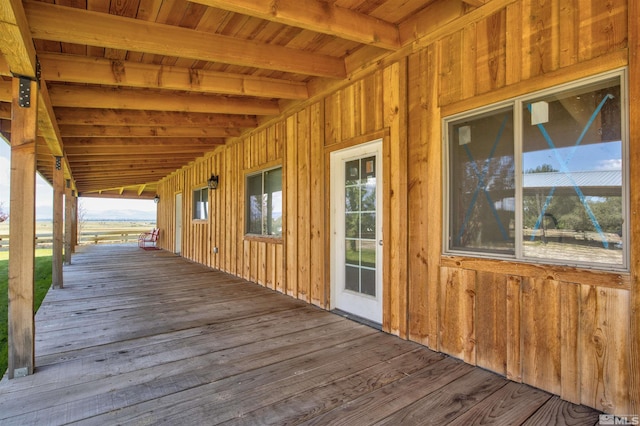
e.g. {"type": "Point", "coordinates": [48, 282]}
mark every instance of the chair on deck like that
{"type": "Point", "coordinates": [148, 240]}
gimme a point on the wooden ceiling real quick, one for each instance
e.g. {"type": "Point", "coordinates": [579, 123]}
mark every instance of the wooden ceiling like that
{"type": "Point", "coordinates": [133, 90]}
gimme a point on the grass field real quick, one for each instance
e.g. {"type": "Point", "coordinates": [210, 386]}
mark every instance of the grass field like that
{"type": "Point", "coordinates": [42, 285]}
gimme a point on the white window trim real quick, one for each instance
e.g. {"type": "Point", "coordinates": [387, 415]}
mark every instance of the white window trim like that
{"type": "Point", "coordinates": [516, 104]}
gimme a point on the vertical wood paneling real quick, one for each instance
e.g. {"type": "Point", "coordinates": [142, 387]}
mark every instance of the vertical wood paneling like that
{"type": "Point", "coordinates": [491, 321]}
{"type": "Point", "coordinates": [270, 266]}
{"type": "Point", "coordinates": [570, 343]}
{"type": "Point", "coordinates": [603, 27]}
{"type": "Point", "coordinates": [514, 336]}
{"type": "Point", "coordinates": [451, 65]}
{"type": "Point", "coordinates": [457, 313]}
{"type": "Point", "coordinates": [513, 53]}
{"type": "Point", "coordinates": [240, 213]}
{"type": "Point", "coordinates": [469, 82]}
{"type": "Point", "coordinates": [604, 348]}
{"type": "Point", "coordinates": [317, 207]}
{"type": "Point", "coordinates": [395, 190]}
{"type": "Point", "coordinates": [302, 197]}
{"type": "Point", "coordinates": [291, 238]}
{"type": "Point", "coordinates": [434, 197]}
{"type": "Point", "coordinates": [541, 334]}
{"type": "Point", "coordinates": [568, 31]}
{"type": "Point", "coordinates": [491, 52]}
{"type": "Point", "coordinates": [280, 270]}
{"type": "Point", "coordinates": [540, 49]}
{"type": "Point", "coordinates": [333, 116]}
{"type": "Point", "coordinates": [418, 196]}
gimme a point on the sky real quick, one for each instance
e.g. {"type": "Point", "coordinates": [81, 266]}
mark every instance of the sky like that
{"type": "Point", "coordinates": [93, 207]}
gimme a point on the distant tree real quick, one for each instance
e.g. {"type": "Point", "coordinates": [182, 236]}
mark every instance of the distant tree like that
{"type": "Point", "coordinates": [3, 215]}
{"type": "Point", "coordinates": [543, 168]}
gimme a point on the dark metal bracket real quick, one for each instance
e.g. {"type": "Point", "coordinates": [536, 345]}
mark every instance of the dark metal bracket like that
{"type": "Point", "coordinates": [24, 96]}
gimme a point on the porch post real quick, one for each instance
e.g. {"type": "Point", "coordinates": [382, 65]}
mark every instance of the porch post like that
{"type": "Point", "coordinates": [76, 222]}
{"type": "Point", "coordinates": [68, 223]}
{"type": "Point", "coordinates": [58, 223]}
{"type": "Point", "coordinates": [22, 227]}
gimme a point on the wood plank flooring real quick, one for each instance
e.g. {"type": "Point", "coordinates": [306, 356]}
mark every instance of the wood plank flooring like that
{"type": "Point", "coordinates": [146, 337]}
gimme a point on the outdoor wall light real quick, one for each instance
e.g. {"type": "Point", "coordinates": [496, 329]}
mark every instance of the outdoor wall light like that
{"type": "Point", "coordinates": [213, 181]}
{"type": "Point", "coordinates": [156, 199]}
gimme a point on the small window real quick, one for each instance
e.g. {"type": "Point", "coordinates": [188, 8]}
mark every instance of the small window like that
{"type": "Point", "coordinates": [264, 203]}
{"type": "Point", "coordinates": [542, 177]}
{"type": "Point", "coordinates": [201, 204]}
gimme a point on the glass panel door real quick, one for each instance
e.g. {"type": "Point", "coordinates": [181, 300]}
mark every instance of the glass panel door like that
{"type": "Point", "coordinates": [357, 226]}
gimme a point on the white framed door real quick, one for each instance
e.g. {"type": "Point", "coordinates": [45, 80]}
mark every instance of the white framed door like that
{"type": "Point", "coordinates": [356, 227]}
{"type": "Point", "coordinates": [178, 224]}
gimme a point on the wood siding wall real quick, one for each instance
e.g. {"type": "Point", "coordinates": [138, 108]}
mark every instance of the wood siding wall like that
{"type": "Point", "coordinates": [565, 330]}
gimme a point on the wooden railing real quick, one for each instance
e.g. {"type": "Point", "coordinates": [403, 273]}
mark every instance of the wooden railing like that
{"type": "Point", "coordinates": [113, 236]}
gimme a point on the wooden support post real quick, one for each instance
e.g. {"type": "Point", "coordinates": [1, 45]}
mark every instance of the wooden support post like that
{"type": "Point", "coordinates": [58, 224]}
{"type": "Point", "coordinates": [76, 224]}
{"type": "Point", "coordinates": [22, 227]}
{"type": "Point", "coordinates": [68, 223]}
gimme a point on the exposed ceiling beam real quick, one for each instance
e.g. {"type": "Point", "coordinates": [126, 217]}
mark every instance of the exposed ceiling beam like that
{"type": "Point", "coordinates": [110, 158]}
{"type": "Point", "coordinates": [75, 69]}
{"type": "Point", "coordinates": [72, 25]}
{"type": "Point", "coordinates": [127, 162]}
{"type": "Point", "coordinates": [117, 168]}
{"type": "Point", "coordinates": [319, 16]}
{"type": "Point", "coordinates": [116, 98]}
{"type": "Point", "coordinates": [98, 151]}
{"type": "Point", "coordinates": [19, 56]}
{"type": "Point", "coordinates": [132, 194]}
{"type": "Point", "coordinates": [100, 185]}
{"type": "Point", "coordinates": [140, 131]}
{"type": "Point", "coordinates": [115, 117]}
{"type": "Point", "coordinates": [15, 39]}
{"type": "Point", "coordinates": [144, 141]}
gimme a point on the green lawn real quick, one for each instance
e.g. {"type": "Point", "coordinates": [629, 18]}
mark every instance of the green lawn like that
{"type": "Point", "coordinates": [43, 282]}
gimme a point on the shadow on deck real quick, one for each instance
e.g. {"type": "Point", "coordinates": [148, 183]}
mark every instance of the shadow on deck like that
{"type": "Point", "coordinates": [145, 337]}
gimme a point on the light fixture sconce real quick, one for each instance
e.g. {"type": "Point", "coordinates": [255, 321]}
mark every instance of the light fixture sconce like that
{"type": "Point", "coordinates": [156, 199]}
{"type": "Point", "coordinates": [213, 181]}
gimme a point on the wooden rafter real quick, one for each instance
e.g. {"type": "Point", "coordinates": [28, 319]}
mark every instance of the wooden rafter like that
{"type": "Point", "coordinates": [147, 131]}
{"type": "Point", "coordinates": [117, 98]}
{"type": "Point", "coordinates": [71, 25]}
{"type": "Point", "coordinates": [320, 16]}
{"type": "Point", "coordinates": [115, 117]}
{"type": "Point", "coordinates": [68, 68]}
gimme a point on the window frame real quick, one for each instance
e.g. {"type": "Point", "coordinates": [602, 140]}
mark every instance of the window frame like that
{"type": "Point", "coordinates": [262, 173]}
{"type": "Point", "coordinates": [516, 104]}
{"type": "Point", "coordinates": [194, 216]}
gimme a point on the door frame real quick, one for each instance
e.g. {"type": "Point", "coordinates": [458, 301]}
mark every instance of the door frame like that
{"type": "Point", "coordinates": [372, 145]}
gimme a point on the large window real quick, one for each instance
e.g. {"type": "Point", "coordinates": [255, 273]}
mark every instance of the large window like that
{"type": "Point", "coordinates": [541, 177]}
{"type": "Point", "coordinates": [264, 203]}
{"type": "Point", "coordinates": [201, 204]}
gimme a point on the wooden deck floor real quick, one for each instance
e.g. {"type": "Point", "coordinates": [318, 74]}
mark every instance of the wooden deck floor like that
{"type": "Point", "coordinates": [145, 337]}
